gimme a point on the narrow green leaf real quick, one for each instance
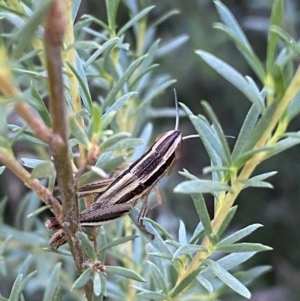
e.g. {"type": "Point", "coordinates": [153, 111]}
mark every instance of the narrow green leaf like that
{"type": "Point", "coordinates": [252, 59]}
{"type": "Point", "coordinates": [119, 103]}
{"type": "Point", "coordinates": [96, 119]}
{"type": "Point", "coordinates": [188, 249]}
{"type": "Point", "coordinates": [260, 127]}
{"type": "Point", "coordinates": [125, 143]}
{"type": "Point", "coordinates": [276, 19]}
{"type": "Point", "coordinates": [117, 242]}
{"type": "Point", "coordinates": [244, 157]}
{"type": "Point", "coordinates": [158, 277]}
{"type": "Point", "coordinates": [249, 276]}
{"type": "Point", "coordinates": [200, 186]}
{"type": "Point", "coordinates": [79, 132]}
{"type": "Point", "coordinates": [147, 294]}
{"type": "Point", "coordinates": [87, 45]}
{"type": "Point", "coordinates": [284, 144]}
{"type": "Point", "coordinates": [24, 267]}
{"type": "Point", "coordinates": [110, 98]}
{"type": "Point", "coordinates": [26, 32]}
{"type": "Point", "coordinates": [97, 298]}
{"type": "Point", "coordinates": [184, 283]}
{"type": "Point", "coordinates": [87, 246]}
{"type": "Point", "coordinates": [27, 279]}
{"type": "Point", "coordinates": [228, 279]}
{"type": "Point", "coordinates": [26, 134]}
{"type": "Point", "coordinates": [172, 44]}
{"type": "Point", "coordinates": [235, 32]}
{"type": "Point", "coordinates": [255, 183]}
{"type": "Point", "coordinates": [41, 107]}
{"type": "Point", "coordinates": [102, 241]}
{"type": "Point", "coordinates": [212, 169]}
{"type": "Point", "coordinates": [57, 296]}
{"type": "Point", "coordinates": [111, 165]}
{"type": "Point", "coordinates": [106, 120]}
{"type": "Point", "coordinates": [138, 79]}
{"type": "Point", "coordinates": [182, 233]}
{"type": "Point", "coordinates": [5, 244]}
{"type": "Point", "coordinates": [208, 139]}
{"type": "Point", "coordinates": [103, 284]}
{"type": "Point", "coordinates": [53, 283]}
{"type": "Point", "coordinates": [146, 64]}
{"type": "Point", "coordinates": [149, 231]}
{"type": "Point", "coordinates": [75, 8]}
{"type": "Point", "coordinates": [265, 175]}
{"type": "Point", "coordinates": [205, 283]}
{"type": "Point", "coordinates": [228, 262]}
{"type": "Point", "coordinates": [197, 233]}
{"type": "Point", "coordinates": [227, 221]}
{"type": "Point", "coordinates": [152, 296]}
{"type": "Point", "coordinates": [16, 289]}
{"type": "Point", "coordinates": [83, 83]}
{"type": "Point", "coordinates": [242, 247]}
{"type": "Point", "coordinates": [97, 287]}
{"type": "Point", "coordinates": [111, 7]}
{"type": "Point", "coordinates": [95, 33]}
{"type": "Point", "coordinates": [111, 141]}
{"type": "Point", "coordinates": [165, 17]}
{"type": "Point", "coordinates": [43, 170]}
{"type": "Point", "coordinates": [31, 163]}
{"type": "Point", "coordinates": [240, 234]}
{"type": "Point", "coordinates": [83, 278]}
{"type": "Point", "coordinates": [106, 46]}
{"type": "Point", "coordinates": [159, 228]}
{"type": "Point", "coordinates": [219, 132]}
{"type": "Point", "coordinates": [135, 19]}
{"type": "Point", "coordinates": [291, 48]}
{"type": "Point", "coordinates": [247, 127]}
{"type": "Point", "coordinates": [2, 168]}
{"type": "Point", "coordinates": [188, 175]}
{"type": "Point", "coordinates": [104, 158]}
{"type": "Point", "coordinates": [156, 89]}
{"type": "Point", "coordinates": [14, 11]}
{"type": "Point", "coordinates": [125, 273]}
{"type": "Point", "coordinates": [201, 209]}
{"type": "Point", "coordinates": [232, 76]}
{"type": "Point", "coordinates": [228, 19]}
{"type": "Point", "coordinates": [173, 243]}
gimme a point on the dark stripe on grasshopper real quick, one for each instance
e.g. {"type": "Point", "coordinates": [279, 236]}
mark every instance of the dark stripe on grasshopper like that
{"type": "Point", "coordinates": [97, 187]}
{"type": "Point", "coordinates": [136, 181]}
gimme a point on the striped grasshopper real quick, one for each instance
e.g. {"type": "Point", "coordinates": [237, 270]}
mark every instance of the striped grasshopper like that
{"type": "Point", "coordinates": [134, 183]}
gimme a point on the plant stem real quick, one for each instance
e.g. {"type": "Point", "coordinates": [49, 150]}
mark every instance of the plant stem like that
{"type": "Point", "coordinates": [54, 32]}
{"type": "Point", "coordinates": [229, 199]}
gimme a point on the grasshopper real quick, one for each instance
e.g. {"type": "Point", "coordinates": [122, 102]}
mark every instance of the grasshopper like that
{"type": "Point", "coordinates": [132, 184]}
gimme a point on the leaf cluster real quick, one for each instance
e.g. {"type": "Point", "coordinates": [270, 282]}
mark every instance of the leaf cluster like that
{"type": "Point", "coordinates": [109, 85]}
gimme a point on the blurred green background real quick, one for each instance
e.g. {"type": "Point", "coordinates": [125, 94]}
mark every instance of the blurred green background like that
{"type": "Point", "coordinates": [278, 209]}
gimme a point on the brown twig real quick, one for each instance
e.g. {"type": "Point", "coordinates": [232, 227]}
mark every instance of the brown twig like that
{"type": "Point", "coordinates": [54, 32]}
{"type": "Point", "coordinates": [44, 194]}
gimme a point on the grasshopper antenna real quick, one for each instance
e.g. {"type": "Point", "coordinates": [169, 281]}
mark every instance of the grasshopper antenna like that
{"type": "Point", "coordinates": [197, 136]}
{"type": "Point", "coordinates": [177, 120]}
{"type": "Point", "coordinates": [177, 110]}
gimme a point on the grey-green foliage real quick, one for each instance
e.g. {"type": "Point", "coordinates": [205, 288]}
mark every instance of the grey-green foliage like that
{"type": "Point", "coordinates": [155, 269]}
{"type": "Point", "coordinates": [123, 82]}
